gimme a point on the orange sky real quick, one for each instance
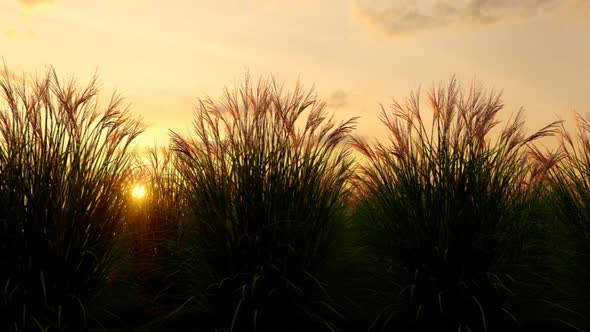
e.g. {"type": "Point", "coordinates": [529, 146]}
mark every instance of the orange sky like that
{"type": "Point", "coordinates": [162, 55]}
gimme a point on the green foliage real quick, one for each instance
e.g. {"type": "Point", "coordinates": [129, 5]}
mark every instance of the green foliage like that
{"type": "Point", "coordinates": [265, 189]}
{"type": "Point", "coordinates": [448, 209]}
{"type": "Point", "coordinates": [62, 165]}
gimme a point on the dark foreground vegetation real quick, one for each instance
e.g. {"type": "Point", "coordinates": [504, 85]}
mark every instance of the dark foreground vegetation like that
{"type": "Point", "coordinates": [272, 216]}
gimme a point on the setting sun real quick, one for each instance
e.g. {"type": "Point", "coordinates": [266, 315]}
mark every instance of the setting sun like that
{"type": "Point", "coordinates": [138, 191]}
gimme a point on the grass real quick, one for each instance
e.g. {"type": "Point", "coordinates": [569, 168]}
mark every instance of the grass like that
{"type": "Point", "coordinates": [266, 187]}
{"type": "Point", "coordinates": [156, 222]}
{"type": "Point", "coordinates": [449, 209]}
{"type": "Point", "coordinates": [154, 268]}
{"type": "Point", "coordinates": [271, 216]}
{"type": "Point", "coordinates": [568, 195]}
{"type": "Point", "coordinates": [63, 160]}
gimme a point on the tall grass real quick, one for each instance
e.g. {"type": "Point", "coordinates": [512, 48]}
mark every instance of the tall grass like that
{"type": "Point", "coordinates": [570, 181]}
{"type": "Point", "coordinates": [569, 198]}
{"type": "Point", "coordinates": [156, 228]}
{"type": "Point", "coordinates": [448, 208]}
{"type": "Point", "coordinates": [63, 161]}
{"type": "Point", "coordinates": [266, 173]}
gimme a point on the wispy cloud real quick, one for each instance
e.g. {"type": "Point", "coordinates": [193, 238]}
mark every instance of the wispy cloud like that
{"type": "Point", "coordinates": [403, 16]}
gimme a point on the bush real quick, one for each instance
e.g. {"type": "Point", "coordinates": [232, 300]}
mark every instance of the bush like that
{"type": "Point", "coordinates": [448, 210]}
{"type": "Point", "coordinates": [63, 161]}
{"type": "Point", "coordinates": [265, 189]}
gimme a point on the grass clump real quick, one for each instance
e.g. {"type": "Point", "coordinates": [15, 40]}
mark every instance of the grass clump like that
{"type": "Point", "coordinates": [447, 209]}
{"type": "Point", "coordinates": [265, 172]}
{"type": "Point", "coordinates": [156, 228]}
{"type": "Point", "coordinates": [63, 161]}
{"type": "Point", "coordinates": [570, 181]}
{"type": "Point", "coordinates": [568, 198]}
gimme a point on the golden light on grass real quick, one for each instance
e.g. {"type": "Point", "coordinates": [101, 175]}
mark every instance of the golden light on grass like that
{"type": "Point", "coordinates": [138, 191]}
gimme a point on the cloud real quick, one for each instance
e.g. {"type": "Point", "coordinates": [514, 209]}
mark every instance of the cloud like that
{"type": "Point", "coordinates": [338, 99]}
{"type": "Point", "coordinates": [35, 3]}
{"type": "Point", "coordinates": [404, 16]}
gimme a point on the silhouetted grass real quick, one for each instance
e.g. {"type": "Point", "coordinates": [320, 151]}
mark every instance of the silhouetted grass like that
{"type": "Point", "coordinates": [448, 210]}
{"type": "Point", "coordinates": [154, 269]}
{"type": "Point", "coordinates": [63, 163]}
{"type": "Point", "coordinates": [159, 227]}
{"type": "Point", "coordinates": [266, 174]}
{"type": "Point", "coordinates": [569, 198]}
{"type": "Point", "coordinates": [156, 221]}
{"type": "Point", "coordinates": [261, 220]}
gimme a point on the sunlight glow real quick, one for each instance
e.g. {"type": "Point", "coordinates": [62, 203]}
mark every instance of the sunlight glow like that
{"type": "Point", "coordinates": [138, 191]}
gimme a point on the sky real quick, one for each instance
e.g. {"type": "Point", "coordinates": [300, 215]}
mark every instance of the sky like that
{"type": "Point", "coordinates": [357, 54]}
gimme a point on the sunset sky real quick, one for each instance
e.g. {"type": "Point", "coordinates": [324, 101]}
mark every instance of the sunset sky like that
{"type": "Point", "coordinates": [358, 54]}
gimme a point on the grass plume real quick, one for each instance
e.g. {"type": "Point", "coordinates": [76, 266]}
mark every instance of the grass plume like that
{"type": "Point", "coordinates": [568, 179]}
{"type": "Point", "coordinates": [63, 161]}
{"type": "Point", "coordinates": [266, 172]}
{"type": "Point", "coordinates": [448, 208]}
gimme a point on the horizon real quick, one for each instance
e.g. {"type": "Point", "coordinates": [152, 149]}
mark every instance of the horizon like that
{"type": "Point", "coordinates": [356, 54]}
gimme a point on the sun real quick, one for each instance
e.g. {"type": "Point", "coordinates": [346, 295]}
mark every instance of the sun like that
{"type": "Point", "coordinates": [138, 191]}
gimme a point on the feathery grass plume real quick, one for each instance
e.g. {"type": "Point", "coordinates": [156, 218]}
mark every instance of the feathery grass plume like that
{"type": "Point", "coordinates": [570, 181]}
{"type": "Point", "coordinates": [266, 174]}
{"type": "Point", "coordinates": [63, 161]}
{"type": "Point", "coordinates": [448, 207]}
{"type": "Point", "coordinates": [568, 176]}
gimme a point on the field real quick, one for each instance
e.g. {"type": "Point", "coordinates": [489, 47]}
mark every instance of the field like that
{"type": "Point", "coordinates": [273, 216]}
